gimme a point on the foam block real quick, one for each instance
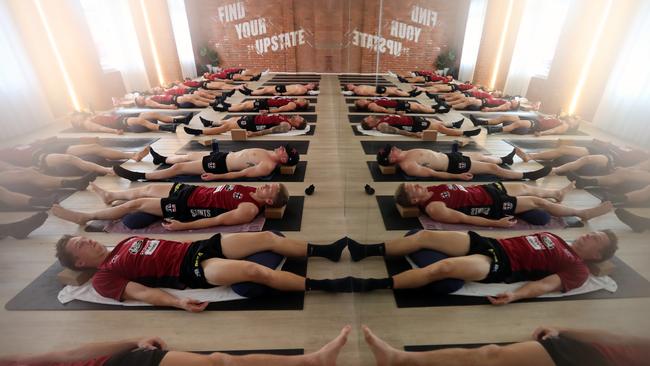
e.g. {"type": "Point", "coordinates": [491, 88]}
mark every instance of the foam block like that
{"type": "Point", "coordinates": [387, 170]}
{"type": "Point", "coordinates": [603, 268]}
{"type": "Point", "coordinates": [74, 278]}
{"type": "Point", "coordinates": [238, 135]}
{"type": "Point", "coordinates": [287, 169]}
{"type": "Point", "coordinates": [274, 212]}
{"type": "Point", "coordinates": [429, 135]}
{"type": "Point", "coordinates": [407, 212]}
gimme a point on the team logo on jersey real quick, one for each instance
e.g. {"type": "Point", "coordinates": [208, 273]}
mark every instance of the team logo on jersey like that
{"type": "Point", "coordinates": [534, 242]}
{"type": "Point", "coordinates": [135, 247]}
{"type": "Point", "coordinates": [507, 206]}
{"type": "Point", "coordinates": [114, 259]}
{"type": "Point", "coordinates": [243, 122]}
{"type": "Point", "coordinates": [445, 195]}
{"type": "Point", "coordinates": [229, 187]}
{"type": "Point", "coordinates": [150, 247]}
{"type": "Point", "coordinates": [170, 207]}
{"type": "Point", "coordinates": [237, 195]}
{"type": "Point", "coordinates": [548, 242]}
{"type": "Point", "coordinates": [462, 165]}
{"type": "Point", "coordinates": [212, 165]}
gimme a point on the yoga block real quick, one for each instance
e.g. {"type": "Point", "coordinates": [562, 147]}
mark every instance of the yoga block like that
{"type": "Point", "coordinates": [287, 169]}
{"type": "Point", "coordinates": [407, 212]}
{"type": "Point", "coordinates": [74, 278]}
{"type": "Point", "coordinates": [274, 212]}
{"type": "Point", "coordinates": [429, 135]}
{"type": "Point", "coordinates": [603, 268]}
{"type": "Point", "coordinates": [388, 170]}
{"type": "Point", "coordinates": [238, 135]}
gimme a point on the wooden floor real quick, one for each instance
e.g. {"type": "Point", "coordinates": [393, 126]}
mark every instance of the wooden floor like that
{"type": "Point", "coordinates": [337, 166]}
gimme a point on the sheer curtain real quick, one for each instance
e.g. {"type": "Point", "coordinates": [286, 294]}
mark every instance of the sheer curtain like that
{"type": "Point", "coordinates": [537, 38]}
{"type": "Point", "coordinates": [625, 105]}
{"type": "Point", "coordinates": [182, 37]}
{"type": "Point", "coordinates": [111, 26]}
{"type": "Point", "coordinates": [23, 107]}
{"type": "Point", "coordinates": [472, 40]}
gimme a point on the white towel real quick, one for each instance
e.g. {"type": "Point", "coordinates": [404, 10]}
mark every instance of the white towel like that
{"type": "Point", "coordinates": [592, 284]}
{"type": "Point", "coordinates": [288, 133]}
{"type": "Point", "coordinates": [372, 132]}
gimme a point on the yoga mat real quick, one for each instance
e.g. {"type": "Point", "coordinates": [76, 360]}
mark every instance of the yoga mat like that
{"type": "Point", "coordinates": [353, 109]}
{"type": "Point", "coordinates": [287, 82]}
{"type": "Point", "coordinates": [358, 118]}
{"type": "Point", "coordinates": [350, 99]}
{"type": "Point", "coordinates": [630, 285]}
{"type": "Point", "coordinates": [556, 223]}
{"type": "Point", "coordinates": [309, 118]}
{"type": "Point", "coordinates": [366, 82]}
{"type": "Point", "coordinates": [117, 142]}
{"type": "Point", "coordinates": [401, 177]}
{"type": "Point", "coordinates": [42, 293]}
{"type": "Point", "coordinates": [373, 147]}
{"type": "Point", "coordinates": [312, 100]}
{"type": "Point", "coordinates": [297, 176]}
{"type": "Point", "coordinates": [283, 352]}
{"type": "Point", "coordinates": [427, 347]}
{"type": "Point", "coordinates": [602, 194]}
{"type": "Point", "coordinates": [539, 144]}
{"type": "Point", "coordinates": [33, 191]}
{"type": "Point", "coordinates": [116, 226]}
{"type": "Point", "coordinates": [392, 219]}
{"type": "Point", "coordinates": [228, 145]}
{"type": "Point", "coordinates": [293, 80]}
{"type": "Point", "coordinates": [291, 221]}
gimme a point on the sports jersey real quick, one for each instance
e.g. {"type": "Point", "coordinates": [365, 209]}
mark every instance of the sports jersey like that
{"type": "Point", "coordinates": [261, 122]}
{"type": "Point", "coordinates": [163, 99]}
{"type": "Point", "coordinates": [99, 361]}
{"type": "Point", "coordinates": [468, 199]}
{"type": "Point", "coordinates": [150, 262]}
{"type": "Point", "coordinates": [493, 102]}
{"type": "Point", "coordinates": [533, 257]}
{"type": "Point", "coordinates": [192, 83]}
{"type": "Point", "coordinates": [227, 197]}
{"type": "Point", "coordinates": [406, 123]}
{"type": "Point", "coordinates": [385, 102]}
{"type": "Point", "coordinates": [278, 102]}
{"type": "Point", "coordinates": [462, 87]}
{"type": "Point", "coordinates": [177, 90]}
{"type": "Point", "coordinates": [547, 123]}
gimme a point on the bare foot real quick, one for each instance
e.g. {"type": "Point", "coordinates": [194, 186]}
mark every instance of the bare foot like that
{"type": "Point", "coordinates": [522, 154]}
{"type": "Point", "coordinates": [559, 195]}
{"type": "Point", "coordinates": [107, 171]}
{"type": "Point", "coordinates": [554, 171]}
{"type": "Point", "coordinates": [68, 215]}
{"type": "Point", "coordinates": [327, 355]}
{"type": "Point", "coordinates": [385, 355]}
{"type": "Point", "coordinates": [140, 155]}
{"type": "Point", "coordinates": [599, 210]}
{"type": "Point", "coordinates": [102, 193]}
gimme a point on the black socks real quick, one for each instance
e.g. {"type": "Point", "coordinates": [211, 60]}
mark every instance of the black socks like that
{"type": "Point", "coordinates": [581, 183]}
{"type": "Point", "coordinates": [507, 160]}
{"type": "Point", "coordinates": [494, 129]}
{"type": "Point", "coordinates": [457, 124]}
{"type": "Point", "coordinates": [21, 229]}
{"type": "Point", "coordinates": [415, 92]}
{"type": "Point", "coordinates": [244, 91]}
{"type": "Point", "coordinates": [359, 251]}
{"type": "Point", "coordinates": [192, 131]}
{"type": "Point", "coordinates": [79, 183]}
{"type": "Point", "coordinates": [157, 158]}
{"type": "Point", "coordinates": [335, 285]}
{"type": "Point", "coordinates": [369, 284]}
{"type": "Point", "coordinates": [477, 121]}
{"type": "Point", "coordinates": [536, 174]}
{"type": "Point", "coordinates": [46, 201]}
{"type": "Point", "coordinates": [470, 133]}
{"type": "Point", "coordinates": [184, 120]}
{"type": "Point", "coordinates": [329, 251]}
{"type": "Point", "coordinates": [637, 223]}
{"type": "Point", "coordinates": [128, 174]}
{"type": "Point", "coordinates": [205, 122]}
{"type": "Point", "coordinates": [167, 127]}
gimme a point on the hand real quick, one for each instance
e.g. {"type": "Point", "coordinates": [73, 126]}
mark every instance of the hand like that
{"type": "Point", "coordinates": [465, 176]}
{"type": "Point", "coordinates": [173, 107]}
{"type": "Point", "coordinates": [508, 221]}
{"type": "Point", "coordinates": [249, 133]}
{"type": "Point", "coordinates": [502, 298]}
{"type": "Point", "coordinates": [400, 113]}
{"type": "Point", "coordinates": [174, 225]}
{"type": "Point", "coordinates": [264, 111]}
{"type": "Point", "coordinates": [119, 132]}
{"type": "Point", "coordinates": [537, 134]}
{"type": "Point", "coordinates": [193, 306]}
{"type": "Point", "coordinates": [418, 134]}
{"type": "Point", "coordinates": [209, 176]}
{"type": "Point", "coordinates": [542, 333]}
{"type": "Point", "coordinates": [152, 343]}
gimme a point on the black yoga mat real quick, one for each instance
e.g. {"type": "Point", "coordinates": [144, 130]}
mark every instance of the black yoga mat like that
{"type": "Point", "coordinates": [539, 144]}
{"type": "Point", "coordinates": [436, 347]}
{"type": "Point", "coordinates": [282, 352]}
{"type": "Point", "coordinates": [353, 109]}
{"type": "Point", "coordinates": [309, 75]}
{"type": "Point", "coordinates": [630, 285]}
{"type": "Point", "coordinates": [373, 147]}
{"type": "Point", "coordinates": [117, 142]}
{"type": "Point", "coordinates": [297, 176]}
{"type": "Point", "coordinates": [393, 220]}
{"type": "Point", "coordinates": [358, 118]}
{"type": "Point", "coordinates": [367, 82]}
{"type": "Point", "coordinates": [309, 118]}
{"type": "Point", "coordinates": [604, 194]}
{"type": "Point", "coordinates": [350, 99]}
{"type": "Point", "coordinates": [61, 194]}
{"type": "Point", "coordinates": [312, 100]}
{"type": "Point", "coordinates": [287, 82]}
{"type": "Point", "coordinates": [228, 145]}
{"type": "Point", "coordinates": [401, 177]}
{"type": "Point", "coordinates": [293, 80]}
{"type": "Point", "coordinates": [42, 293]}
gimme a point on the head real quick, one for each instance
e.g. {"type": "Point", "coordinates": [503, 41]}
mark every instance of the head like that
{"type": "Point", "coordinates": [297, 122]}
{"type": "Point", "coordinates": [139, 101]}
{"type": "Point", "coordinates": [572, 121]}
{"type": "Point", "coordinates": [79, 252]}
{"type": "Point", "coordinates": [349, 87]}
{"type": "Point", "coordinates": [362, 104]}
{"type": "Point", "coordinates": [369, 122]}
{"type": "Point", "coordinates": [409, 194]}
{"type": "Point", "coordinates": [387, 155]}
{"type": "Point", "coordinates": [273, 195]}
{"type": "Point", "coordinates": [157, 90]}
{"type": "Point", "coordinates": [76, 118]}
{"type": "Point", "coordinates": [288, 155]}
{"type": "Point", "coordinates": [311, 86]}
{"type": "Point", "coordinates": [596, 246]}
{"type": "Point", "coordinates": [302, 103]}
{"type": "Point", "coordinates": [497, 93]}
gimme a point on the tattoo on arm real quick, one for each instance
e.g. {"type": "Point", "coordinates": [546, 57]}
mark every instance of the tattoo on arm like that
{"type": "Point", "coordinates": [282, 128]}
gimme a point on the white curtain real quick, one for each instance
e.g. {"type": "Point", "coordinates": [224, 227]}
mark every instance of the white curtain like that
{"type": "Point", "coordinates": [472, 40]}
{"type": "Point", "coordinates": [23, 108]}
{"type": "Point", "coordinates": [181, 29]}
{"type": "Point", "coordinates": [537, 38]}
{"type": "Point", "coordinates": [625, 106]}
{"type": "Point", "coordinates": [111, 26]}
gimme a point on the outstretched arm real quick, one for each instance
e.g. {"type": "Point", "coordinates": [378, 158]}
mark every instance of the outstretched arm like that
{"type": "Point", "coordinates": [564, 127]}
{"type": "Point", "coordinates": [243, 214]}
{"type": "Point", "coordinates": [440, 212]}
{"type": "Point", "coordinates": [386, 128]}
{"type": "Point", "coordinates": [281, 128]}
{"type": "Point", "coordinates": [530, 290]}
{"type": "Point", "coordinates": [259, 170]}
{"type": "Point", "coordinates": [158, 297]}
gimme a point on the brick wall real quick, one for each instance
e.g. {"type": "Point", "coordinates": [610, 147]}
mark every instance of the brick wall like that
{"type": "Point", "coordinates": [328, 30]}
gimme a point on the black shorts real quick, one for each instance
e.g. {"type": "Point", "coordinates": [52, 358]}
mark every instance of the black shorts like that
{"type": "Point", "coordinates": [261, 104]}
{"type": "Point", "coordinates": [137, 357]}
{"type": "Point", "coordinates": [458, 163]}
{"type": "Point", "coordinates": [191, 272]}
{"type": "Point", "coordinates": [174, 206]}
{"type": "Point", "coordinates": [403, 106]}
{"type": "Point", "coordinates": [500, 266]}
{"type": "Point", "coordinates": [597, 149]}
{"type": "Point", "coordinates": [215, 163]}
{"type": "Point", "coordinates": [502, 204]}
{"type": "Point", "coordinates": [38, 157]}
{"type": "Point", "coordinates": [569, 352]}
{"type": "Point", "coordinates": [280, 89]}
{"type": "Point", "coordinates": [247, 123]}
{"type": "Point", "coordinates": [204, 84]}
{"type": "Point", "coordinates": [454, 87]}
{"type": "Point", "coordinates": [420, 124]}
{"type": "Point", "coordinates": [475, 108]}
{"type": "Point", "coordinates": [380, 89]}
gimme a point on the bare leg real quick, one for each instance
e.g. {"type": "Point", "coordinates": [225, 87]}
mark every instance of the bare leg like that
{"type": "Point", "coordinates": [448, 131]}
{"type": "Point", "coordinates": [150, 190]}
{"type": "Point", "coordinates": [266, 90]}
{"type": "Point", "coordinates": [484, 158]}
{"type": "Point", "coordinates": [192, 168]}
{"type": "Point", "coordinates": [60, 160]}
{"type": "Point", "coordinates": [516, 124]}
{"type": "Point", "coordinates": [499, 120]}
{"type": "Point", "coordinates": [166, 118]}
{"type": "Point", "coordinates": [225, 272]}
{"type": "Point", "coordinates": [107, 153]}
{"type": "Point", "coordinates": [470, 268]}
{"type": "Point", "coordinates": [595, 160]}
{"type": "Point", "coordinates": [527, 203]}
{"type": "Point", "coordinates": [30, 177]}
{"type": "Point", "coordinates": [226, 125]}
{"type": "Point", "coordinates": [521, 189]}
{"type": "Point", "coordinates": [241, 245]}
{"type": "Point", "coordinates": [452, 243]}
{"type": "Point", "coordinates": [479, 167]}
{"type": "Point", "coordinates": [148, 205]}
{"type": "Point", "coordinates": [640, 195]}
{"type": "Point", "coordinates": [242, 107]}
{"type": "Point", "coordinates": [13, 199]}
{"type": "Point", "coordinates": [558, 152]}
{"type": "Point", "coordinates": [137, 121]}
{"type": "Point", "coordinates": [525, 353]}
{"type": "Point", "coordinates": [175, 159]}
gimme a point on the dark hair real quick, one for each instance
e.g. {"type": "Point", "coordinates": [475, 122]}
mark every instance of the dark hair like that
{"type": "Point", "coordinates": [281, 198]}
{"type": "Point", "coordinates": [365, 125]}
{"type": "Point", "coordinates": [302, 125]}
{"type": "Point", "coordinates": [612, 246]}
{"type": "Point", "coordinates": [63, 255]}
{"type": "Point", "coordinates": [402, 197]}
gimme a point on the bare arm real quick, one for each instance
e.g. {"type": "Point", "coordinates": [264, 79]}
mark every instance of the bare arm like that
{"type": "Point", "coordinates": [530, 290]}
{"type": "Point", "coordinates": [386, 128]}
{"type": "Point", "coordinates": [259, 170]}
{"type": "Point", "coordinates": [285, 108]}
{"type": "Point", "coordinates": [440, 212]}
{"type": "Point", "coordinates": [373, 107]}
{"type": "Point", "coordinates": [81, 353]}
{"type": "Point", "coordinates": [281, 128]}
{"type": "Point", "coordinates": [153, 104]}
{"type": "Point", "coordinates": [157, 297]}
{"type": "Point", "coordinates": [417, 170]}
{"type": "Point", "coordinates": [564, 127]}
{"type": "Point", "coordinates": [94, 127]}
{"type": "Point", "coordinates": [244, 213]}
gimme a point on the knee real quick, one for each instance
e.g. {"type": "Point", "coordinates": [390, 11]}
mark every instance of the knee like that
{"type": "Point", "coordinates": [443, 268]}
{"type": "Point", "coordinates": [217, 359]}
{"type": "Point", "coordinates": [256, 273]}
{"type": "Point", "coordinates": [137, 204]}
{"type": "Point", "coordinates": [538, 202]}
{"type": "Point", "coordinates": [269, 237]}
{"type": "Point", "coordinates": [593, 159]}
{"type": "Point", "coordinates": [490, 353]}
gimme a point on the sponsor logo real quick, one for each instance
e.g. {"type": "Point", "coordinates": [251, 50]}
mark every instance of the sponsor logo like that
{"type": "Point", "coordinates": [477, 211]}
{"type": "Point", "coordinates": [548, 242]}
{"type": "Point", "coordinates": [170, 207]}
{"type": "Point", "coordinates": [150, 248]}
{"type": "Point", "coordinates": [445, 195]}
{"type": "Point", "coordinates": [212, 165]}
{"type": "Point", "coordinates": [229, 187]}
{"type": "Point", "coordinates": [114, 259]}
{"type": "Point", "coordinates": [135, 247]}
{"type": "Point", "coordinates": [237, 195]}
{"type": "Point", "coordinates": [243, 122]}
{"type": "Point", "coordinates": [197, 212]}
{"type": "Point", "coordinates": [197, 272]}
{"type": "Point", "coordinates": [220, 188]}
{"type": "Point", "coordinates": [462, 165]}
{"type": "Point", "coordinates": [507, 206]}
{"type": "Point", "coordinates": [534, 242]}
